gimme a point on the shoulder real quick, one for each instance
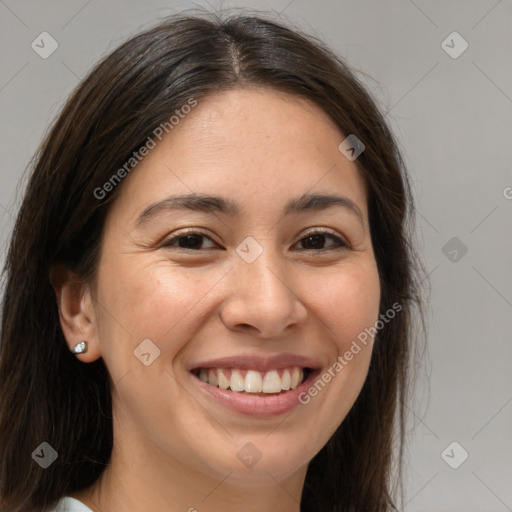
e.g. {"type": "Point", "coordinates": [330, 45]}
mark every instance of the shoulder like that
{"type": "Point", "coordinates": [70, 505]}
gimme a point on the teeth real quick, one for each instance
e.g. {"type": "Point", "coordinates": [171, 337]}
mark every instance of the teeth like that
{"type": "Point", "coordinates": [296, 377]}
{"type": "Point", "coordinates": [237, 382]}
{"type": "Point", "coordinates": [223, 381]}
{"type": "Point", "coordinates": [286, 380]}
{"type": "Point", "coordinates": [212, 377]}
{"type": "Point", "coordinates": [253, 381]}
{"type": "Point", "coordinates": [271, 382]}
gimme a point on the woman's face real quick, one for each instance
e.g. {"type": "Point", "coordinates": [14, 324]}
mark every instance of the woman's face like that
{"type": "Point", "coordinates": [254, 273]}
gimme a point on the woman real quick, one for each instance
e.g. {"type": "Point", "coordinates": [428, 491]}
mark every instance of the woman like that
{"type": "Point", "coordinates": [209, 287]}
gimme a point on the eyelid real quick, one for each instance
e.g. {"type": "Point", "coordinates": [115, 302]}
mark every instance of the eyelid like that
{"type": "Point", "coordinates": [166, 242]}
{"type": "Point", "coordinates": [343, 242]}
{"type": "Point", "coordinates": [321, 231]}
{"type": "Point", "coordinates": [340, 240]}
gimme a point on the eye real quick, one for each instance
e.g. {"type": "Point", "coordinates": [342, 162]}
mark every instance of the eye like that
{"type": "Point", "coordinates": [316, 240]}
{"type": "Point", "coordinates": [188, 241]}
{"type": "Point", "coordinates": [313, 241]}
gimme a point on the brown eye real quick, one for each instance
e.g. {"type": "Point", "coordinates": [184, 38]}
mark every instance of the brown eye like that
{"type": "Point", "coordinates": [192, 241]}
{"type": "Point", "coordinates": [317, 241]}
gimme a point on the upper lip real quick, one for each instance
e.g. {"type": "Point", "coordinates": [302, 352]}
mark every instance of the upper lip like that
{"type": "Point", "coordinates": [258, 362]}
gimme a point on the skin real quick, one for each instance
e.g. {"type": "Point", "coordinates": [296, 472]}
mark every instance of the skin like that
{"type": "Point", "coordinates": [175, 449]}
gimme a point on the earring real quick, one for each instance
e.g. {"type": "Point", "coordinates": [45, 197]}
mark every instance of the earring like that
{"type": "Point", "coordinates": [80, 348]}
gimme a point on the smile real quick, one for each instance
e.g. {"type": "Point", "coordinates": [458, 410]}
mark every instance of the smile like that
{"type": "Point", "coordinates": [258, 393]}
{"type": "Point", "coordinates": [242, 380]}
{"type": "Point", "coordinates": [258, 385]}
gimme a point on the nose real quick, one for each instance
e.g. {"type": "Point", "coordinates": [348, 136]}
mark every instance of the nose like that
{"type": "Point", "coordinates": [262, 299]}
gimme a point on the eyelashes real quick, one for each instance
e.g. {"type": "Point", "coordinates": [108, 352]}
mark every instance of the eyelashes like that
{"type": "Point", "coordinates": [192, 241]}
{"type": "Point", "coordinates": [315, 237]}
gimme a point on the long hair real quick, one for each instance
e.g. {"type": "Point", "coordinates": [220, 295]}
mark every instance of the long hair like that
{"type": "Point", "coordinates": [46, 394]}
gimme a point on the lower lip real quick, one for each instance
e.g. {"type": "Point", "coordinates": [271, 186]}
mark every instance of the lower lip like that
{"type": "Point", "coordinates": [256, 405]}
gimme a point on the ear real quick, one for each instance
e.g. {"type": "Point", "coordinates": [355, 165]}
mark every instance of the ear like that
{"type": "Point", "coordinates": [76, 312]}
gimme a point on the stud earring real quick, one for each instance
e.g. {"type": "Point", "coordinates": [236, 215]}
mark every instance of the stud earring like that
{"type": "Point", "coordinates": [80, 348]}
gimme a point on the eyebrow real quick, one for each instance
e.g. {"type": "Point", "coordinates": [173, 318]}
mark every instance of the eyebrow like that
{"type": "Point", "coordinates": [217, 204]}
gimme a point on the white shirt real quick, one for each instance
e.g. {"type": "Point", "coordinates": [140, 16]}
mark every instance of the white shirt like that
{"type": "Point", "coordinates": [67, 504]}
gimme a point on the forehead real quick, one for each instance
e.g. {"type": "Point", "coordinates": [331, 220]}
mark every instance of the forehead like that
{"type": "Point", "coordinates": [260, 146]}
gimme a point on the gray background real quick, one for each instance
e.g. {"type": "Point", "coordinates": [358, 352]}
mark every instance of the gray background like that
{"type": "Point", "coordinates": [453, 119]}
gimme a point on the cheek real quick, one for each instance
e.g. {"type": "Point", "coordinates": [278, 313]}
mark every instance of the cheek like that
{"type": "Point", "coordinates": [347, 301]}
{"type": "Point", "coordinates": [148, 298]}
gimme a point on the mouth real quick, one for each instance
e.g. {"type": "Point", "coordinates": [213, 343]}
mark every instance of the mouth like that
{"type": "Point", "coordinates": [253, 382]}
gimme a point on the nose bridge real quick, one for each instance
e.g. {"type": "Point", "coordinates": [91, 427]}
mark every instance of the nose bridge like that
{"type": "Point", "coordinates": [262, 292]}
{"type": "Point", "coordinates": [264, 271]}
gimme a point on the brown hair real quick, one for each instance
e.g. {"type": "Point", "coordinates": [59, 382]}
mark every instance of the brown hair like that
{"type": "Point", "coordinates": [46, 394]}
